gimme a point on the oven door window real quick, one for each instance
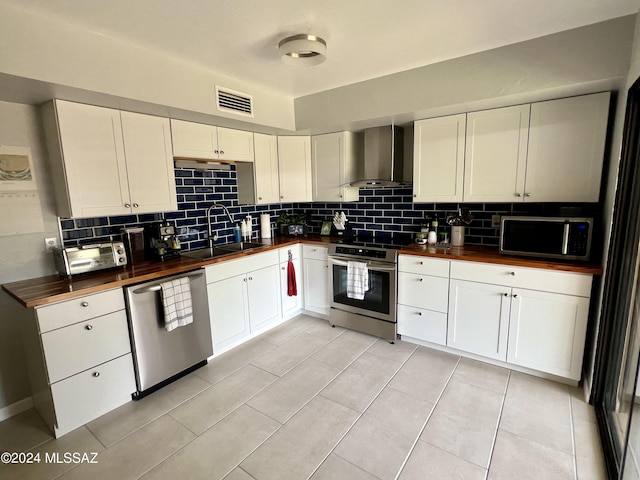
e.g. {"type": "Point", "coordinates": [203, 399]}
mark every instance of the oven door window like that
{"type": "Point", "coordinates": [376, 299]}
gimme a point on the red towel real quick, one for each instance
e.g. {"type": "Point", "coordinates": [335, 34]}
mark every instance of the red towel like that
{"type": "Point", "coordinates": [292, 289]}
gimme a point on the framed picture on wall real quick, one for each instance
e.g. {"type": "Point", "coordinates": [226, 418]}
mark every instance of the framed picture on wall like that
{"type": "Point", "coordinates": [326, 228]}
{"type": "Point", "coordinates": [16, 169]}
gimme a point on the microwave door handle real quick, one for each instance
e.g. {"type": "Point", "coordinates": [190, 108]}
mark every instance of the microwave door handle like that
{"type": "Point", "coordinates": [565, 239]}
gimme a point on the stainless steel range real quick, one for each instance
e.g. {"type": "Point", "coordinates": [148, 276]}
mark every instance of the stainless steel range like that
{"type": "Point", "coordinates": [363, 287]}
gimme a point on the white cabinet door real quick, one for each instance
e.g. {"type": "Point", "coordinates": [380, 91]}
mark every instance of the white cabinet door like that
{"type": "Point", "coordinates": [266, 169]}
{"type": "Point", "coordinates": [479, 318]}
{"type": "Point", "coordinates": [496, 154]}
{"type": "Point", "coordinates": [235, 145]}
{"type": "Point", "coordinates": [316, 285]}
{"type": "Point", "coordinates": [294, 159]}
{"type": "Point", "coordinates": [333, 160]}
{"type": "Point", "coordinates": [566, 149]}
{"type": "Point", "coordinates": [93, 159]}
{"type": "Point", "coordinates": [263, 297]}
{"type": "Point", "coordinates": [547, 332]}
{"type": "Point", "coordinates": [228, 311]}
{"type": "Point", "coordinates": [194, 140]}
{"type": "Point", "coordinates": [438, 159]}
{"type": "Point", "coordinates": [147, 147]}
{"type": "Point", "coordinates": [291, 305]}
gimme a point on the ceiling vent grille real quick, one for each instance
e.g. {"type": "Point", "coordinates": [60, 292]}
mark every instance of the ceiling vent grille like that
{"type": "Point", "coordinates": [231, 101]}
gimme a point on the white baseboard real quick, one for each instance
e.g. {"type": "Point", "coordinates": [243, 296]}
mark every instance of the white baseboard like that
{"type": "Point", "coordinates": [16, 408]}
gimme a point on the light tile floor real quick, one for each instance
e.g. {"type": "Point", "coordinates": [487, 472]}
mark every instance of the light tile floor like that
{"type": "Point", "coordinates": [309, 401]}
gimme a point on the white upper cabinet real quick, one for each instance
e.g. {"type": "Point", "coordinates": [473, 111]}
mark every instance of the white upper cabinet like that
{"type": "Point", "coordinates": [566, 149]}
{"type": "Point", "coordinates": [196, 140]}
{"type": "Point", "coordinates": [147, 146]}
{"type": "Point", "coordinates": [294, 159]}
{"type": "Point", "coordinates": [266, 169]}
{"type": "Point", "coordinates": [108, 162]}
{"type": "Point", "coordinates": [496, 154]}
{"type": "Point", "coordinates": [438, 159]}
{"type": "Point", "coordinates": [541, 152]}
{"type": "Point", "coordinates": [334, 160]}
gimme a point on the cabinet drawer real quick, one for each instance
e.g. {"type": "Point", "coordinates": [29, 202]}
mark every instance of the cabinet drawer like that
{"type": "Point", "coordinates": [423, 265]}
{"type": "Point", "coordinates": [284, 253]}
{"type": "Point", "coordinates": [422, 324]}
{"type": "Point", "coordinates": [94, 392]}
{"type": "Point", "coordinates": [314, 251]}
{"type": "Point", "coordinates": [423, 291]}
{"type": "Point", "coordinates": [75, 348]}
{"type": "Point", "coordinates": [76, 310]}
{"type": "Point", "coordinates": [240, 266]}
{"type": "Point", "coordinates": [532, 278]}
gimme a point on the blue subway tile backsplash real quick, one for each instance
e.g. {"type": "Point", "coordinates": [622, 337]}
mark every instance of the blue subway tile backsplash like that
{"type": "Point", "coordinates": [388, 212]}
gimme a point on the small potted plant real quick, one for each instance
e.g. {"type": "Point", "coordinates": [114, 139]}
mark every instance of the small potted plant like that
{"type": "Point", "coordinates": [294, 224]}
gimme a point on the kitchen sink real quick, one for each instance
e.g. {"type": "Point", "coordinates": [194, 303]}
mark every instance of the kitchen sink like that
{"type": "Point", "coordinates": [224, 249]}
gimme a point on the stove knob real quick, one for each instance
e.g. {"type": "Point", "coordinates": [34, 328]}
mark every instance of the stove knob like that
{"type": "Point", "coordinates": [120, 259]}
{"type": "Point", "coordinates": [119, 251]}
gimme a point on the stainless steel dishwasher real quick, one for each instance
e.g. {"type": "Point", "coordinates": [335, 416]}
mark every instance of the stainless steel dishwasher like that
{"type": "Point", "coordinates": [160, 356]}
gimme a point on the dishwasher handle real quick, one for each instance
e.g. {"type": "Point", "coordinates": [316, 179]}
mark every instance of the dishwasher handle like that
{"type": "Point", "coordinates": [157, 287]}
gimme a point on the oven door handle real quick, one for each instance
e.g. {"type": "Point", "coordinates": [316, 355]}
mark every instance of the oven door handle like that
{"type": "Point", "coordinates": [373, 266]}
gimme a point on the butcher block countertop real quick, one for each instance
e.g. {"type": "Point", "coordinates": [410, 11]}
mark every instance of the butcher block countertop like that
{"type": "Point", "coordinates": [55, 288]}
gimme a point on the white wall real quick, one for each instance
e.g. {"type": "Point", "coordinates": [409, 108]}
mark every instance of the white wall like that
{"type": "Point", "coordinates": [568, 63]}
{"type": "Point", "coordinates": [52, 51]}
{"type": "Point", "coordinates": [23, 256]}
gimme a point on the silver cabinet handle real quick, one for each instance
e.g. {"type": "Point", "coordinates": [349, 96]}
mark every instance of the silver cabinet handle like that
{"type": "Point", "coordinates": [127, 205]}
{"type": "Point", "coordinates": [221, 152]}
{"type": "Point", "coordinates": [505, 294]}
{"type": "Point", "coordinates": [85, 304]}
{"type": "Point", "coordinates": [135, 205]}
{"type": "Point", "coordinates": [283, 269]}
{"type": "Point", "coordinates": [420, 279]}
{"type": "Point", "coordinates": [527, 194]}
{"type": "Point", "coordinates": [513, 274]}
{"type": "Point", "coordinates": [419, 313]}
{"type": "Point", "coordinates": [216, 152]}
{"type": "Point", "coordinates": [259, 198]}
{"type": "Point", "coordinates": [250, 278]}
{"type": "Point", "coordinates": [88, 327]}
{"type": "Point", "coordinates": [96, 374]}
{"type": "Point", "coordinates": [421, 263]}
{"type": "Point", "coordinates": [244, 279]}
{"type": "Point", "coordinates": [515, 295]}
{"type": "Point", "coordinates": [518, 194]}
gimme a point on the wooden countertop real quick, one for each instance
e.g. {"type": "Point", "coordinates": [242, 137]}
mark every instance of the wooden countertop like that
{"type": "Point", "coordinates": [473, 253]}
{"type": "Point", "coordinates": [54, 288]}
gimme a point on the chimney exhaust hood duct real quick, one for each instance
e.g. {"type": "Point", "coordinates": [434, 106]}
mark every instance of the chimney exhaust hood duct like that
{"type": "Point", "coordinates": [383, 158]}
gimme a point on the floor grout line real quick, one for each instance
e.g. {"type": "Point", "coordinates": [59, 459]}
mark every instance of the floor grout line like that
{"type": "Point", "coordinates": [495, 435]}
{"type": "Point", "coordinates": [424, 425]}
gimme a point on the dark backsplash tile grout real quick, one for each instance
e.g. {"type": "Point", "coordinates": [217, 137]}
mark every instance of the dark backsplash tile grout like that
{"type": "Point", "coordinates": [386, 212]}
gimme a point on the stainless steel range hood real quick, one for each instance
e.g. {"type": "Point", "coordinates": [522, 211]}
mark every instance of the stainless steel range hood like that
{"type": "Point", "coordinates": [383, 158]}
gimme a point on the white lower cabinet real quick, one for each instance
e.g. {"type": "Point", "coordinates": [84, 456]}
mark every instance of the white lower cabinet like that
{"type": "Point", "coordinates": [244, 298]}
{"type": "Point", "coordinates": [79, 359]}
{"type": "Point", "coordinates": [291, 304]}
{"type": "Point", "coordinates": [527, 317]}
{"type": "Point", "coordinates": [479, 318]}
{"type": "Point", "coordinates": [423, 295]}
{"type": "Point", "coordinates": [316, 279]}
{"type": "Point", "coordinates": [547, 332]}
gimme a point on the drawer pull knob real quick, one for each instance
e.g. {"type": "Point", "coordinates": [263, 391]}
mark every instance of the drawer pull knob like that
{"type": "Point", "coordinates": [127, 205]}
{"type": "Point", "coordinates": [88, 327]}
{"type": "Point", "coordinates": [420, 279]}
{"type": "Point", "coordinates": [420, 313]}
{"type": "Point", "coordinates": [250, 278]}
{"type": "Point", "coordinates": [515, 295]}
{"type": "Point", "coordinates": [505, 294]}
{"type": "Point", "coordinates": [85, 304]}
{"type": "Point", "coordinates": [282, 268]}
{"type": "Point", "coordinates": [96, 374]}
{"type": "Point", "coordinates": [421, 263]}
{"type": "Point", "coordinates": [513, 274]}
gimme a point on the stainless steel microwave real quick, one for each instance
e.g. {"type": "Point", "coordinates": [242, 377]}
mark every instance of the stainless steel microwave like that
{"type": "Point", "coordinates": [566, 238]}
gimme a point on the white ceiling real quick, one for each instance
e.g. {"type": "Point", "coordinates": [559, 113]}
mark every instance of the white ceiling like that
{"type": "Point", "coordinates": [365, 38]}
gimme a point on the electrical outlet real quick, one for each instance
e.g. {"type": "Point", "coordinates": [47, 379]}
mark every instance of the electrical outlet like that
{"type": "Point", "coordinates": [495, 221]}
{"type": "Point", "coordinates": [49, 243]}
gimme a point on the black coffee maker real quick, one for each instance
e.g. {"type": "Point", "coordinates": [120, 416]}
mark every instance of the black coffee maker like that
{"type": "Point", "coordinates": [161, 241]}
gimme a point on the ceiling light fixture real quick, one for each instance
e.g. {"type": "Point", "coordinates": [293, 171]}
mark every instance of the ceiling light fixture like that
{"type": "Point", "coordinates": [305, 50]}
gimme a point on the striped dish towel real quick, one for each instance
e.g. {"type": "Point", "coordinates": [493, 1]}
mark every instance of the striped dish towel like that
{"type": "Point", "coordinates": [176, 300]}
{"type": "Point", "coordinates": [357, 280]}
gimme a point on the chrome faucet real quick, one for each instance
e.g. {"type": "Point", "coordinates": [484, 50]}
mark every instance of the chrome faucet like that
{"type": "Point", "coordinates": [213, 238]}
